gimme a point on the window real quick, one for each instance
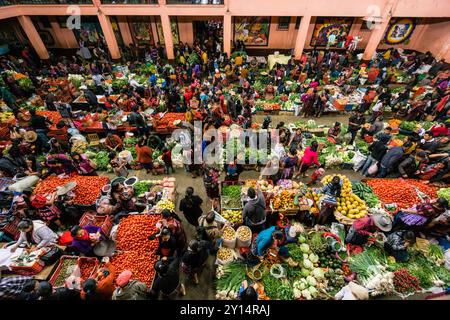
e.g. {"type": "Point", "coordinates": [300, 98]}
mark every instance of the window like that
{"type": "Point", "coordinates": [283, 23]}
{"type": "Point", "coordinates": [297, 22]}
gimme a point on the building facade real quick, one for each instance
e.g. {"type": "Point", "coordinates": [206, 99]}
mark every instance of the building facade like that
{"type": "Point", "coordinates": [296, 25]}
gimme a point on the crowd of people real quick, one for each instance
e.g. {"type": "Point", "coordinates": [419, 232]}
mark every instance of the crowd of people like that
{"type": "Point", "coordinates": [197, 83]}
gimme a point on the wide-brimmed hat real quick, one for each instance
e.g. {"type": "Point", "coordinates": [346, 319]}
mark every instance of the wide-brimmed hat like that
{"type": "Point", "coordinates": [66, 188]}
{"type": "Point", "coordinates": [105, 248]}
{"type": "Point", "coordinates": [30, 136]}
{"type": "Point", "coordinates": [382, 221]}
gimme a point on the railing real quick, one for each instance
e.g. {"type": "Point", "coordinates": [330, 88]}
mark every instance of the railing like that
{"type": "Point", "coordinates": [204, 2]}
{"type": "Point", "coordinates": [129, 1]}
{"type": "Point", "coordinates": [16, 2]}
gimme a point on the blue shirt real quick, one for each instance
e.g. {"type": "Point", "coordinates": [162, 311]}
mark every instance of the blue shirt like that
{"type": "Point", "coordinates": [153, 79]}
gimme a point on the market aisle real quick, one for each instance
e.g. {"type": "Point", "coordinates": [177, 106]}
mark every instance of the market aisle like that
{"type": "Point", "coordinates": [205, 290]}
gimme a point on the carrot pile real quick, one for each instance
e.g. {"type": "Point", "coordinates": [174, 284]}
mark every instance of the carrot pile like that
{"type": "Point", "coordinates": [400, 191]}
{"type": "Point", "coordinates": [86, 192]}
{"type": "Point", "coordinates": [138, 253]}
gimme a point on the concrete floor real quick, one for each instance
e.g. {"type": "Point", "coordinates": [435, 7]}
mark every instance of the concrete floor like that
{"type": "Point", "coordinates": [205, 290]}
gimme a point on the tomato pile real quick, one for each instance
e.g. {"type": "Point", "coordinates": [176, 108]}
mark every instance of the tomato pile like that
{"type": "Point", "coordinates": [138, 253]}
{"type": "Point", "coordinates": [86, 268]}
{"type": "Point", "coordinates": [404, 282]}
{"type": "Point", "coordinates": [53, 116]}
{"type": "Point", "coordinates": [400, 191]}
{"type": "Point", "coordinates": [168, 119]}
{"type": "Point", "coordinates": [86, 192]}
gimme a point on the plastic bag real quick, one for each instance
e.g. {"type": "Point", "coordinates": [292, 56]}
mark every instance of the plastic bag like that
{"type": "Point", "coordinates": [277, 271]}
{"type": "Point", "coordinates": [358, 160]}
{"type": "Point", "coordinates": [373, 169]}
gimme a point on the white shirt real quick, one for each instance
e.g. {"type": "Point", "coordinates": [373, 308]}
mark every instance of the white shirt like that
{"type": "Point", "coordinates": [97, 79]}
{"type": "Point", "coordinates": [134, 83]}
{"type": "Point", "coordinates": [377, 106]}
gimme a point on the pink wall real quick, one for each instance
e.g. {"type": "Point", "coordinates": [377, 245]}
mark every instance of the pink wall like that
{"type": "Point", "coordinates": [436, 39]}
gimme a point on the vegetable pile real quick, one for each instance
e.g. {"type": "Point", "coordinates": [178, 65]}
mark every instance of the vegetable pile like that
{"type": "Point", "coordinates": [142, 187]}
{"type": "Point", "coordinates": [66, 269]}
{"type": "Point", "coordinates": [444, 193]}
{"type": "Point", "coordinates": [365, 192]}
{"type": "Point", "coordinates": [400, 191]}
{"type": "Point", "coordinates": [86, 192]}
{"type": "Point", "coordinates": [404, 282]}
{"type": "Point", "coordinates": [138, 253]}
{"type": "Point", "coordinates": [229, 279]}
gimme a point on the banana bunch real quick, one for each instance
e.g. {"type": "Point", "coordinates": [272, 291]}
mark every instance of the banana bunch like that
{"type": "Point", "coordinates": [165, 204]}
{"type": "Point", "coordinates": [6, 116]}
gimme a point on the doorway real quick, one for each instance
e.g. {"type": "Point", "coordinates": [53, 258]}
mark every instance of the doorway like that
{"type": "Point", "coordinates": [208, 33]}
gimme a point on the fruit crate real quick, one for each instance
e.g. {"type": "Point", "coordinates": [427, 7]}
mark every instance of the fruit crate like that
{"type": "Point", "coordinates": [105, 222]}
{"type": "Point", "coordinates": [67, 272]}
{"type": "Point", "coordinates": [10, 226]}
{"type": "Point", "coordinates": [93, 270]}
{"type": "Point", "coordinates": [229, 183]}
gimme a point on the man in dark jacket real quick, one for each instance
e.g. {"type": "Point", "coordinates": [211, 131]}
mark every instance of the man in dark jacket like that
{"type": "Point", "coordinates": [254, 214]}
{"type": "Point", "coordinates": [408, 167]}
{"type": "Point", "coordinates": [91, 98]}
{"type": "Point", "coordinates": [377, 151]}
{"type": "Point", "coordinates": [390, 160]}
{"type": "Point", "coordinates": [167, 280]}
{"type": "Point", "coordinates": [136, 119]}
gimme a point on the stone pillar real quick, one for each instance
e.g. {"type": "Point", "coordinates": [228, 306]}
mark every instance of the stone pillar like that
{"type": "Point", "coordinates": [301, 36]}
{"type": "Point", "coordinates": [227, 34]}
{"type": "Point", "coordinates": [33, 36]}
{"type": "Point", "coordinates": [110, 37]}
{"type": "Point", "coordinates": [168, 41]}
{"type": "Point", "coordinates": [124, 30]}
{"type": "Point", "coordinates": [378, 31]}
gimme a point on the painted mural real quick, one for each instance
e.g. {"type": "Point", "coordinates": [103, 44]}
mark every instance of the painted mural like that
{"type": "Point", "coordinates": [327, 26]}
{"type": "Point", "coordinates": [90, 33]}
{"type": "Point", "coordinates": [254, 31]}
{"type": "Point", "coordinates": [173, 27]}
{"type": "Point", "coordinates": [400, 31]}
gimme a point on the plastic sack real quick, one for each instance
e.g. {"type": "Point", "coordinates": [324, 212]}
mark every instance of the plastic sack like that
{"type": "Point", "coordinates": [358, 160]}
{"type": "Point", "coordinates": [277, 271]}
{"type": "Point", "coordinates": [24, 183]}
{"type": "Point", "coordinates": [373, 169]}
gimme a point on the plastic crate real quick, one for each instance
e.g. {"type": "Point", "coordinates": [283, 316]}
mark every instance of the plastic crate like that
{"type": "Point", "coordinates": [37, 267]}
{"type": "Point", "coordinates": [57, 271]}
{"type": "Point", "coordinates": [106, 223]}
{"type": "Point", "coordinates": [229, 183]}
{"type": "Point", "coordinates": [11, 228]}
{"type": "Point", "coordinates": [94, 268]}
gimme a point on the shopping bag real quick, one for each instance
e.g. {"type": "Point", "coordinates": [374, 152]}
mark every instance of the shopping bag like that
{"type": "Point", "coordinates": [373, 169]}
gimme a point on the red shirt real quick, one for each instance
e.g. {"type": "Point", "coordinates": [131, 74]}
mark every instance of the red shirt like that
{"type": "Point", "coordinates": [187, 97]}
{"type": "Point", "coordinates": [364, 225]}
{"type": "Point", "coordinates": [310, 157]}
{"type": "Point", "coordinates": [440, 131]}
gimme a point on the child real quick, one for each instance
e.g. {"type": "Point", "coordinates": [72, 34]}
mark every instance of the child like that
{"type": "Point", "coordinates": [167, 158]}
{"type": "Point", "coordinates": [316, 175]}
